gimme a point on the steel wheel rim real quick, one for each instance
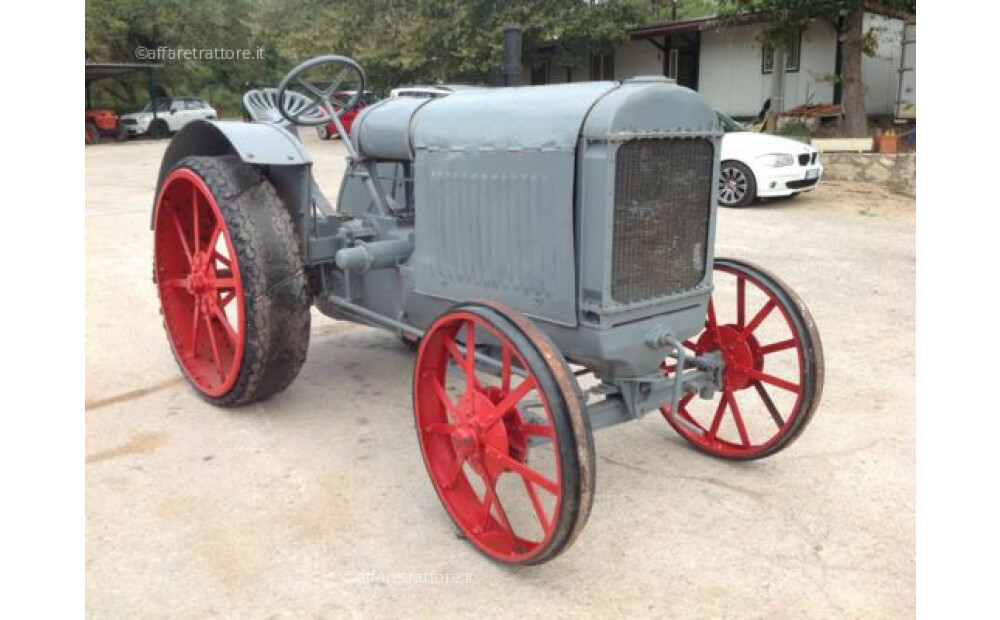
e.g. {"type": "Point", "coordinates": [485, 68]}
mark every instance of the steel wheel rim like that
{"type": "Point", "coordinates": [732, 185]}
{"type": "Point", "coordinates": [454, 434]}
{"type": "Point", "coordinates": [757, 380]}
{"type": "Point", "coordinates": [198, 282]}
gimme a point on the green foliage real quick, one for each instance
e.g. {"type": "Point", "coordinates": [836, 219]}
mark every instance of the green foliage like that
{"type": "Point", "coordinates": [396, 41]}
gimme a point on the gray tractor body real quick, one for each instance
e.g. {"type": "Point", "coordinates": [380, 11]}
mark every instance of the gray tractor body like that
{"type": "Point", "coordinates": [588, 207]}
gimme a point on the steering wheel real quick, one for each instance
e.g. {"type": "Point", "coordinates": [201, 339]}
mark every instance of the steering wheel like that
{"type": "Point", "coordinates": [334, 85]}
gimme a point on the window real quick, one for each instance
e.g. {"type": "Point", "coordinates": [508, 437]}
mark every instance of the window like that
{"type": "Point", "coordinates": [602, 67]}
{"type": "Point", "coordinates": [192, 104]}
{"type": "Point", "coordinates": [791, 57]}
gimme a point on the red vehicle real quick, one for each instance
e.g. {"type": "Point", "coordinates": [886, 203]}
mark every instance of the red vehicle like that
{"type": "Point", "coordinates": [102, 122]}
{"type": "Point", "coordinates": [329, 130]}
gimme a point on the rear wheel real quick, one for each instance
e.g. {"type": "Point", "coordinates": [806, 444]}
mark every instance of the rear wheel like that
{"type": "Point", "coordinates": [232, 290]}
{"type": "Point", "coordinates": [510, 453]}
{"type": "Point", "coordinates": [772, 380]}
{"type": "Point", "coordinates": [322, 132]}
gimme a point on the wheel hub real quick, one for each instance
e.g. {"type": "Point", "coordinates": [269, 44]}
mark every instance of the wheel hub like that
{"type": "Point", "coordinates": [738, 354]}
{"type": "Point", "coordinates": [479, 441]}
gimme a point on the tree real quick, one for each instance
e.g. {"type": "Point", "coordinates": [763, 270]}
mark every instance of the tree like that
{"type": "Point", "coordinates": [784, 19]}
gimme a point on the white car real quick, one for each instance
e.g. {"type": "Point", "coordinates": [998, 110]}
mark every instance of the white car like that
{"type": "Point", "coordinates": [172, 113]}
{"type": "Point", "coordinates": [756, 165]}
{"type": "Point", "coordinates": [429, 92]}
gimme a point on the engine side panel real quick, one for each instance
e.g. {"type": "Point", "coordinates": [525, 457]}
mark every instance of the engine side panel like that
{"type": "Point", "coordinates": [497, 224]}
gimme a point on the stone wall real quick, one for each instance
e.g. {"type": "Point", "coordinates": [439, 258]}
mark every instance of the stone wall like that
{"type": "Point", "coordinates": [896, 172]}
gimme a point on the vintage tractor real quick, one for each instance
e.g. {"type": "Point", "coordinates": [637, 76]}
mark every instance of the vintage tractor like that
{"type": "Point", "coordinates": [548, 250]}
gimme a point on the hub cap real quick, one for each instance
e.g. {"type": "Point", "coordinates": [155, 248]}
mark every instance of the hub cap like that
{"type": "Point", "coordinates": [732, 186]}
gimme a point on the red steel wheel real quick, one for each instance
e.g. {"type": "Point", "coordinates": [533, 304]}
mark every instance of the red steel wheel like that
{"type": "Point", "coordinates": [510, 453]}
{"type": "Point", "coordinates": [221, 239]}
{"type": "Point", "coordinates": [772, 378]}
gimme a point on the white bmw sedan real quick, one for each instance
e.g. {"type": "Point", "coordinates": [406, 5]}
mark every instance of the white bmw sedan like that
{"type": "Point", "coordinates": [757, 165]}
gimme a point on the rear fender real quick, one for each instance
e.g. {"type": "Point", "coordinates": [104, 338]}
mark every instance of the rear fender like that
{"type": "Point", "coordinates": [259, 144]}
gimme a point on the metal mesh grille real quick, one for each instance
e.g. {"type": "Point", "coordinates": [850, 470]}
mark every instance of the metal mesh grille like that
{"type": "Point", "coordinates": [662, 208]}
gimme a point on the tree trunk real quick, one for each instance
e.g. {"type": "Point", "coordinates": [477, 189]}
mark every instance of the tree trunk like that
{"type": "Point", "coordinates": [777, 89]}
{"type": "Point", "coordinates": [855, 114]}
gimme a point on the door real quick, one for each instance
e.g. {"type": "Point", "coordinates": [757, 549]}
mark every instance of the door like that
{"type": "Point", "coordinates": [681, 58]}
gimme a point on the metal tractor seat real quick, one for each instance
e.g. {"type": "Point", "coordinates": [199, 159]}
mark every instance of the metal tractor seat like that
{"type": "Point", "coordinates": [262, 104]}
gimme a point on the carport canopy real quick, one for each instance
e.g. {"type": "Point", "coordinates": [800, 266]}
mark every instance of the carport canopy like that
{"type": "Point", "coordinates": [94, 71]}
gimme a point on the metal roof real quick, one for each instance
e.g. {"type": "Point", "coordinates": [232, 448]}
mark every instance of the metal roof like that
{"type": "Point", "coordinates": [100, 70]}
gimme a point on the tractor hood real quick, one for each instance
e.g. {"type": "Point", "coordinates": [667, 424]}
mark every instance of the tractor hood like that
{"type": "Point", "coordinates": [532, 118]}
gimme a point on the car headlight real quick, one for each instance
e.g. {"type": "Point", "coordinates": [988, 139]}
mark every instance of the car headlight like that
{"type": "Point", "coordinates": [777, 160]}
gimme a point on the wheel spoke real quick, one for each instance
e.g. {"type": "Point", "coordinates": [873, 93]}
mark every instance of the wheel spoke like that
{"type": "Point", "coordinates": [194, 331]}
{"type": "Point", "coordinates": [440, 428]}
{"type": "Point", "coordinates": [215, 237]}
{"type": "Point", "coordinates": [510, 400]}
{"type": "Point", "coordinates": [221, 317]}
{"type": "Point", "coordinates": [758, 319]}
{"type": "Point", "coordinates": [181, 236]}
{"type": "Point", "coordinates": [445, 400]}
{"type": "Point", "coordinates": [493, 500]}
{"type": "Point", "coordinates": [226, 297]}
{"type": "Point", "coordinates": [538, 430]}
{"type": "Point", "coordinates": [766, 378]}
{"type": "Point", "coordinates": [717, 420]}
{"type": "Point", "coordinates": [194, 216]}
{"type": "Point", "coordinates": [536, 503]}
{"type": "Point", "coordinates": [224, 259]}
{"type": "Point", "coordinates": [764, 396]}
{"type": "Point", "coordinates": [470, 356]}
{"type": "Point", "coordinates": [738, 418]}
{"type": "Point", "coordinates": [456, 470]}
{"type": "Point", "coordinates": [215, 346]}
{"type": "Point", "coordinates": [524, 470]}
{"type": "Point", "coordinates": [505, 363]}
{"type": "Point", "coordinates": [227, 283]}
{"type": "Point", "coordinates": [778, 346]}
{"type": "Point", "coordinates": [712, 324]}
{"type": "Point", "coordinates": [741, 302]}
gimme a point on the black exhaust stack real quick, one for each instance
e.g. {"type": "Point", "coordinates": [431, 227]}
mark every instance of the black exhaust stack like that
{"type": "Point", "coordinates": [512, 54]}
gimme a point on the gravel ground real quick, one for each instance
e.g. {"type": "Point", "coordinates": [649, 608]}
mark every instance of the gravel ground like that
{"type": "Point", "coordinates": [284, 509]}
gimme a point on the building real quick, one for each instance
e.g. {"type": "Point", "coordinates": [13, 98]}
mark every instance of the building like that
{"type": "Point", "coordinates": [733, 71]}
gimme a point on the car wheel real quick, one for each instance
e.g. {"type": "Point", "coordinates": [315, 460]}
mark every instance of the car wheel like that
{"type": "Point", "coordinates": [737, 186]}
{"type": "Point", "coordinates": [159, 129]}
{"type": "Point", "coordinates": [322, 132]}
{"type": "Point", "coordinates": [93, 134]}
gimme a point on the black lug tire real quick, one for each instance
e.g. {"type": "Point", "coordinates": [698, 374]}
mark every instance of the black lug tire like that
{"type": "Point", "coordinates": [275, 285]}
{"type": "Point", "coordinates": [751, 192]}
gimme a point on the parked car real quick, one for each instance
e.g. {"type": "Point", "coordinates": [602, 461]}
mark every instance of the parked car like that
{"type": "Point", "coordinates": [756, 165]}
{"type": "Point", "coordinates": [172, 113]}
{"type": "Point", "coordinates": [102, 123]}
{"type": "Point", "coordinates": [329, 130]}
{"type": "Point", "coordinates": [429, 92]}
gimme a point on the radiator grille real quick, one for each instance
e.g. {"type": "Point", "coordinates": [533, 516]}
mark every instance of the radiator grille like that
{"type": "Point", "coordinates": [661, 216]}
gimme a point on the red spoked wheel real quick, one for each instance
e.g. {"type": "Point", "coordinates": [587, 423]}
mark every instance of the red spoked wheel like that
{"type": "Point", "coordinates": [772, 378]}
{"type": "Point", "coordinates": [510, 452]}
{"type": "Point", "coordinates": [221, 239]}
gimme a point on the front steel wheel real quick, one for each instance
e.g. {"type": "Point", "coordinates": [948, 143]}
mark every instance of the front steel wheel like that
{"type": "Point", "coordinates": [232, 290]}
{"type": "Point", "coordinates": [510, 452]}
{"type": "Point", "coordinates": [772, 378]}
